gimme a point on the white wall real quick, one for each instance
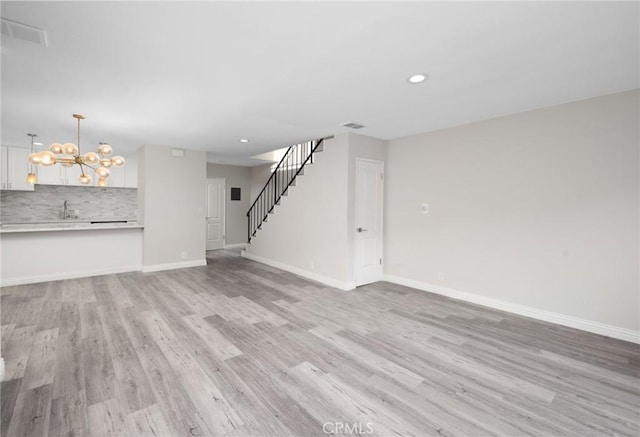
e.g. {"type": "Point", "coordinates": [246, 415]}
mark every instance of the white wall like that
{"type": "Point", "coordinates": [260, 174]}
{"type": "Point", "coordinates": [172, 200]}
{"type": "Point", "coordinates": [29, 257]}
{"type": "Point", "coordinates": [314, 229]}
{"type": "Point", "coordinates": [538, 209]}
{"type": "Point", "coordinates": [236, 210]}
{"type": "Point", "coordinates": [308, 231]}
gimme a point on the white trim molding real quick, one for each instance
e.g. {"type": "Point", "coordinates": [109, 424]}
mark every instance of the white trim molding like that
{"type": "Point", "coordinates": [68, 275]}
{"type": "Point", "coordinates": [173, 266]}
{"type": "Point", "coordinates": [331, 282]}
{"type": "Point", "coordinates": [242, 246]}
{"type": "Point", "coordinates": [522, 310]}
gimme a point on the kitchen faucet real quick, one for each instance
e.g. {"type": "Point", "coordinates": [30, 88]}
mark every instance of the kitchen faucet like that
{"type": "Point", "coordinates": [65, 211]}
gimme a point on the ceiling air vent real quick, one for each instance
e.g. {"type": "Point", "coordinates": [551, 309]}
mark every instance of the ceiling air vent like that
{"type": "Point", "coordinates": [353, 125]}
{"type": "Point", "coordinates": [17, 30]}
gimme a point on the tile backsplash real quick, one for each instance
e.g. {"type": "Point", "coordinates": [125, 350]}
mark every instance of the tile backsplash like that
{"type": "Point", "coordinates": [45, 203]}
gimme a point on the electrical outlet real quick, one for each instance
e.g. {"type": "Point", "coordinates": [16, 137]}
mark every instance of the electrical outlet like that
{"type": "Point", "coordinates": [183, 255]}
{"type": "Point", "coordinates": [441, 276]}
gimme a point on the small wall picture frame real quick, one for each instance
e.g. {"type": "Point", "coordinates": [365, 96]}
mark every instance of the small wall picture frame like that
{"type": "Point", "coordinates": [235, 194]}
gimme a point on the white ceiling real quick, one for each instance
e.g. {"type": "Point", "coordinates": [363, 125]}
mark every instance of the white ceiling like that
{"type": "Point", "coordinates": [203, 75]}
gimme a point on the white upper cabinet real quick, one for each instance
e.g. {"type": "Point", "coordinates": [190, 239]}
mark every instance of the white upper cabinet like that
{"type": "Point", "coordinates": [14, 168]}
{"type": "Point", "coordinates": [126, 176]}
{"type": "Point", "coordinates": [49, 175]}
{"type": "Point", "coordinates": [115, 179]}
{"type": "Point", "coordinates": [58, 175]}
{"type": "Point", "coordinates": [71, 175]}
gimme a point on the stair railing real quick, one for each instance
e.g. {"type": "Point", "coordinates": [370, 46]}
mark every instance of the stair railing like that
{"type": "Point", "coordinates": [285, 173]}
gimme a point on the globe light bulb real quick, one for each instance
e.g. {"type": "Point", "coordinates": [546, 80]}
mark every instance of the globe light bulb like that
{"type": "Point", "coordinates": [91, 158]}
{"type": "Point", "coordinates": [118, 161]}
{"type": "Point", "coordinates": [105, 149]}
{"type": "Point", "coordinates": [102, 182]}
{"type": "Point", "coordinates": [32, 178]}
{"type": "Point", "coordinates": [106, 162]}
{"type": "Point", "coordinates": [47, 158]}
{"type": "Point", "coordinates": [85, 179]}
{"type": "Point", "coordinates": [70, 149]}
{"type": "Point", "coordinates": [34, 158]}
{"type": "Point", "coordinates": [56, 148]}
{"type": "Point", "coordinates": [103, 172]}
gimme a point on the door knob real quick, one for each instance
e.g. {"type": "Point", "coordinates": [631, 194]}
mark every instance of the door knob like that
{"type": "Point", "coordinates": [361, 230]}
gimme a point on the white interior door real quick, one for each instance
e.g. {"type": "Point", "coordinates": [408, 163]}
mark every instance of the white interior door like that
{"type": "Point", "coordinates": [215, 213]}
{"type": "Point", "coordinates": [368, 233]}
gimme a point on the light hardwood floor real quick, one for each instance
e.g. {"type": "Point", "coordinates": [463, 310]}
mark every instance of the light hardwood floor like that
{"type": "Point", "coordinates": [242, 349]}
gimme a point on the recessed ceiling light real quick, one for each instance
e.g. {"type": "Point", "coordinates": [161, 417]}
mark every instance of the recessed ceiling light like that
{"type": "Point", "coordinates": [417, 78]}
{"type": "Point", "coordinates": [244, 140]}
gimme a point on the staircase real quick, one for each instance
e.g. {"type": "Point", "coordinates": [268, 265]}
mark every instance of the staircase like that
{"type": "Point", "coordinates": [284, 176]}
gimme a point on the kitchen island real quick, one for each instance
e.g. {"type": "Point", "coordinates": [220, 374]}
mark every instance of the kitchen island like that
{"type": "Point", "coordinates": [48, 251]}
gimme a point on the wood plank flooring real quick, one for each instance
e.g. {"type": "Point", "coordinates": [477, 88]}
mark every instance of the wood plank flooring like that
{"type": "Point", "coordinates": [238, 348]}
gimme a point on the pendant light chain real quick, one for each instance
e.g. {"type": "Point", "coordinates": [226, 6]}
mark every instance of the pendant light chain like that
{"type": "Point", "coordinates": [81, 168]}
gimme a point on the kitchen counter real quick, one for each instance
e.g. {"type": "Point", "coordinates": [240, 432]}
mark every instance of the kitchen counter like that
{"type": "Point", "coordinates": [40, 252]}
{"type": "Point", "coordinates": [65, 226]}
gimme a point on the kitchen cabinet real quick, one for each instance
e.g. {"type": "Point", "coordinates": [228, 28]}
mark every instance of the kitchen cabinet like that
{"type": "Point", "coordinates": [14, 168]}
{"type": "Point", "coordinates": [126, 176]}
{"type": "Point", "coordinates": [59, 175]}
{"type": "Point", "coordinates": [115, 179]}
{"type": "Point", "coordinates": [71, 175]}
{"type": "Point", "coordinates": [50, 175]}
{"type": "Point", "coordinates": [120, 249]}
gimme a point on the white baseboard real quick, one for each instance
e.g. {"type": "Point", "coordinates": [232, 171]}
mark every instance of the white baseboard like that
{"type": "Point", "coordinates": [67, 275]}
{"type": "Point", "coordinates": [522, 310]}
{"type": "Point", "coordinates": [236, 246]}
{"type": "Point", "coordinates": [301, 272]}
{"type": "Point", "coordinates": [173, 266]}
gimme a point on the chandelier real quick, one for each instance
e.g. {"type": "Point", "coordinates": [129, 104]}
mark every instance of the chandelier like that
{"type": "Point", "coordinates": [68, 155]}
